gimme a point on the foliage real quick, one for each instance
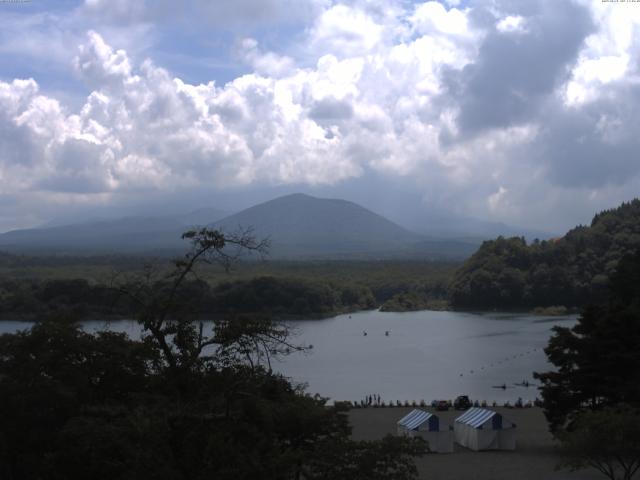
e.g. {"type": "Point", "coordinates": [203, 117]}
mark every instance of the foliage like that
{"type": "Point", "coordinates": [280, 297]}
{"type": "Point", "coordinates": [572, 271]}
{"type": "Point", "coordinates": [607, 440]}
{"type": "Point", "coordinates": [55, 373]}
{"type": "Point", "coordinates": [275, 296]}
{"type": "Point", "coordinates": [412, 301]}
{"type": "Point", "coordinates": [280, 289]}
{"type": "Point", "coordinates": [181, 403]}
{"type": "Point", "coordinates": [597, 360]}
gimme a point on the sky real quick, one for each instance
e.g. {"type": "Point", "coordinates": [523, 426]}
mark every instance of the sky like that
{"type": "Point", "coordinates": [522, 112]}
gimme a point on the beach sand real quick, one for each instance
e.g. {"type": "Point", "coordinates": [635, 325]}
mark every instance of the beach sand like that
{"type": "Point", "coordinates": [534, 458]}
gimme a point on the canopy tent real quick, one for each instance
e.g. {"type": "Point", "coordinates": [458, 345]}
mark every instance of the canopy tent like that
{"type": "Point", "coordinates": [419, 423]}
{"type": "Point", "coordinates": [481, 429]}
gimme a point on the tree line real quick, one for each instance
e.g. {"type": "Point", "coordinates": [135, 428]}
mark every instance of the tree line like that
{"type": "Point", "coordinates": [509, 273]}
{"type": "Point", "coordinates": [280, 297]}
{"type": "Point", "coordinates": [282, 289]}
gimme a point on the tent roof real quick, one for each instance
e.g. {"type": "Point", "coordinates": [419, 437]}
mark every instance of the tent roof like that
{"type": "Point", "coordinates": [476, 417]}
{"type": "Point", "coordinates": [415, 418]}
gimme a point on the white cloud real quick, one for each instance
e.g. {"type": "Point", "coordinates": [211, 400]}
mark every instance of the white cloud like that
{"type": "Point", "coordinates": [345, 31]}
{"type": "Point", "coordinates": [432, 17]}
{"type": "Point", "coordinates": [607, 55]}
{"type": "Point", "coordinates": [98, 63]}
{"type": "Point", "coordinates": [497, 200]}
{"type": "Point", "coordinates": [512, 24]}
{"type": "Point", "coordinates": [363, 86]}
{"type": "Point", "coordinates": [265, 63]}
{"type": "Point", "coordinates": [281, 124]}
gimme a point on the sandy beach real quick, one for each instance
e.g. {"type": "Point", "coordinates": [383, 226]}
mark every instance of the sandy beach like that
{"type": "Point", "coordinates": [534, 458]}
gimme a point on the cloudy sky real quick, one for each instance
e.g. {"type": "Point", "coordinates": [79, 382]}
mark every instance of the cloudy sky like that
{"type": "Point", "coordinates": [525, 112]}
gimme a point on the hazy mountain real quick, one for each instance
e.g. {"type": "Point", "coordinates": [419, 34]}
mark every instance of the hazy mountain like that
{"type": "Point", "coordinates": [456, 226]}
{"type": "Point", "coordinates": [201, 217]}
{"type": "Point", "coordinates": [300, 225]}
{"type": "Point", "coordinates": [122, 235]}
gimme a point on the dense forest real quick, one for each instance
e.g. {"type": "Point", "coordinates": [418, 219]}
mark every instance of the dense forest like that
{"type": "Point", "coordinates": [570, 271]}
{"type": "Point", "coordinates": [79, 299]}
{"type": "Point", "coordinates": [36, 289]}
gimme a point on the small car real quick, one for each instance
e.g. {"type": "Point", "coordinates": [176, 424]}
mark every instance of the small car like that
{"type": "Point", "coordinates": [462, 403]}
{"type": "Point", "coordinates": [442, 405]}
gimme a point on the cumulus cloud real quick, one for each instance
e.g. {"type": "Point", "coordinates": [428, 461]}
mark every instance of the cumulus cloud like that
{"type": "Point", "coordinates": [265, 63]}
{"type": "Point", "coordinates": [281, 124]}
{"type": "Point", "coordinates": [480, 106]}
{"type": "Point", "coordinates": [513, 75]}
{"type": "Point", "coordinates": [512, 24]}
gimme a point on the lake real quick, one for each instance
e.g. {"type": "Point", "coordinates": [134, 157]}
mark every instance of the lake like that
{"type": "Point", "coordinates": [427, 355]}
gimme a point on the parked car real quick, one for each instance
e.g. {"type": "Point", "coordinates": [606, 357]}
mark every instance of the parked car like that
{"type": "Point", "coordinates": [442, 405]}
{"type": "Point", "coordinates": [462, 403]}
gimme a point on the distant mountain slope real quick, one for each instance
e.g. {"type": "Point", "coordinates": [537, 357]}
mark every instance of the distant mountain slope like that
{"type": "Point", "coordinates": [474, 228]}
{"type": "Point", "coordinates": [299, 227]}
{"type": "Point", "coordinates": [452, 225]}
{"type": "Point", "coordinates": [570, 271]}
{"type": "Point", "coordinates": [304, 226]}
{"type": "Point", "coordinates": [123, 235]}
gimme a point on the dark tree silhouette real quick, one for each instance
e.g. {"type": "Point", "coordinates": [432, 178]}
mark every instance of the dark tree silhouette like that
{"type": "Point", "coordinates": [180, 404]}
{"type": "Point", "coordinates": [597, 360]}
{"type": "Point", "coordinates": [607, 440]}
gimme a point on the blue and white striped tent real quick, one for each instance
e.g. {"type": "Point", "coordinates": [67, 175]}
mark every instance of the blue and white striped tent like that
{"type": "Point", "coordinates": [476, 417]}
{"type": "Point", "coordinates": [481, 429]}
{"type": "Point", "coordinates": [419, 419]}
{"type": "Point", "coordinates": [420, 423]}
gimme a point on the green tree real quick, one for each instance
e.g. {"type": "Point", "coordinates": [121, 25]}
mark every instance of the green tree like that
{"type": "Point", "coordinates": [597, 360]}
{"type": "Point", "coordinates": [607, 440]}
{"type": "Point", "coordinates": [572, 271]}
{"type": "Point", "coordinates": [48, 376]}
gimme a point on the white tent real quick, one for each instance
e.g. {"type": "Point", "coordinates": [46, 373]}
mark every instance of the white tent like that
{"type": "Point", "coordinates": [480, 429]}
{"type": "Point", "coordinates": [419, 423]}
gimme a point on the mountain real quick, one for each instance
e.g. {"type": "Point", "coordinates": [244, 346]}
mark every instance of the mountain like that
{"type": "Point", "coordinates": [122, 235]}
{"type": "Point", "coordinates": [451, 225]}
{"type": "Point", "coordinates": [300, 225]}
{"type": "Point", "coordinates": [571, 271]}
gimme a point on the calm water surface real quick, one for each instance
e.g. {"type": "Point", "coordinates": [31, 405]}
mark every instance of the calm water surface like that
{"type": "Point", "coordinates": [427, 355]}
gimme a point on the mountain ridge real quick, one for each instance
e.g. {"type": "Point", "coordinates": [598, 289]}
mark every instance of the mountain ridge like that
{"type": "Point", "coordinates": [300, 226]}
{"type": "Point", "coordinates": [299, 223]}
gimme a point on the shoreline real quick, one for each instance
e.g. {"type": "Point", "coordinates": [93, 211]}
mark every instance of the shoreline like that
{"type": "Point", "coordinates": [101, 317]}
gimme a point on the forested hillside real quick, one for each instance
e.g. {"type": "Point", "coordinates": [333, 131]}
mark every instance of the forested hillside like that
{"type": "Point", "coordinates": [571, 271]}
{"type": "Point", "coordinates": [277, 297]}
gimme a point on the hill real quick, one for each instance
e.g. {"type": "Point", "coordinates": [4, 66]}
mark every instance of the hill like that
{"type": "Point", "coordinates": [302, 226]}
{"type": "Point", "coordinates": [571, 271]}
{"type": "Point", "coordinates": [452, 225]}
{"type": "Point", "coordinates": [123, 235]}
{"type": "Point", "coordinates": [299, 227]}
